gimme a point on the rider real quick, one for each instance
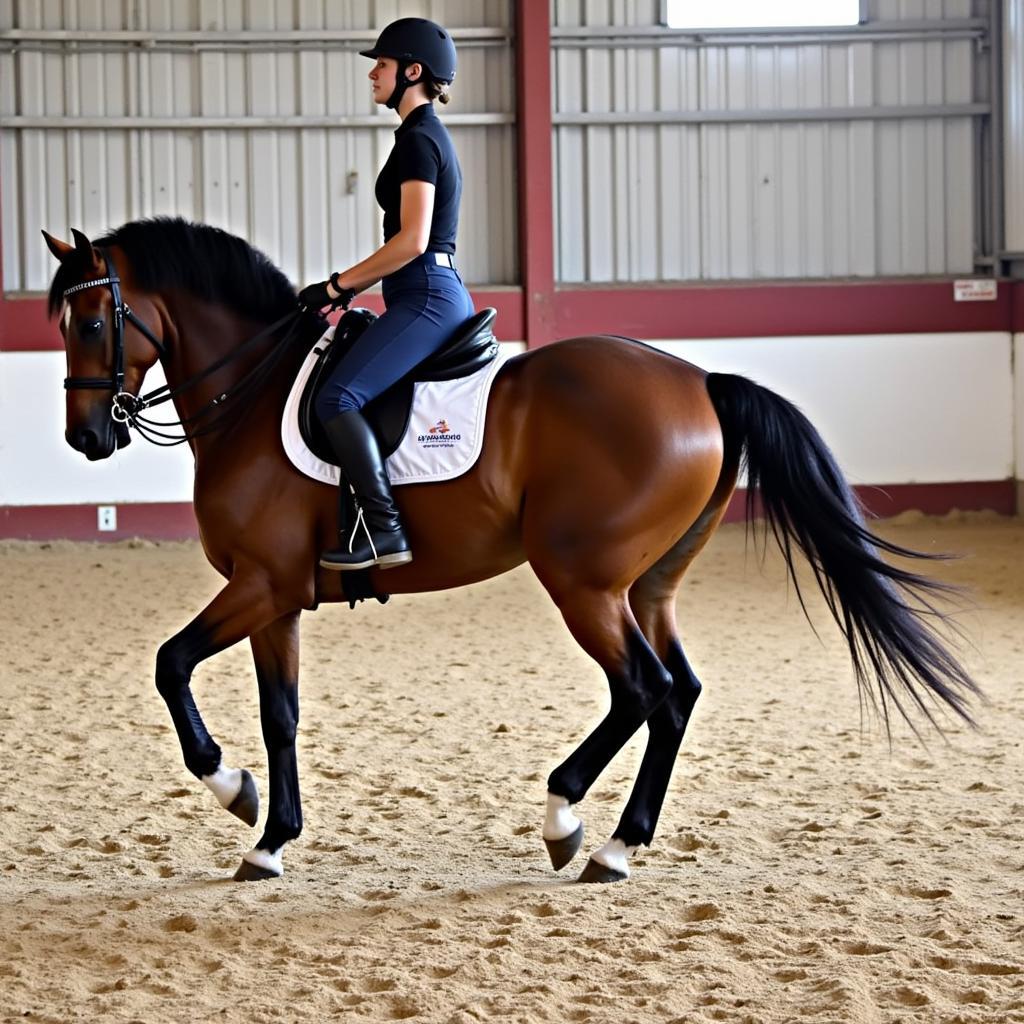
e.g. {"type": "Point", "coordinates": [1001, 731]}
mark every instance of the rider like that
{"type": "Point", "coordinates": [419, 189]}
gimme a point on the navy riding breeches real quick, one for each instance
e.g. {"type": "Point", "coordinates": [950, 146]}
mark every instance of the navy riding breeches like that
{"type": "Point", "coordinates": [426, 302]}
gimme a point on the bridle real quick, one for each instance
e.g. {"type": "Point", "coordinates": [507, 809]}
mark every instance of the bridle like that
{"type": "Point", "coordinates": [126, 408]}
{"type": "Point", "coordinates": [123, 401]}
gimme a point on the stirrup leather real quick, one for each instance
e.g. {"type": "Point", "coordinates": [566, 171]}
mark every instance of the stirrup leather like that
{"type": "Point", "coordinates": [361, 521]}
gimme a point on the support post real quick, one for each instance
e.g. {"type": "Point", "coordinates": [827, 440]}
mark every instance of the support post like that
{"type": "Point", "coordinates": [535, 191]}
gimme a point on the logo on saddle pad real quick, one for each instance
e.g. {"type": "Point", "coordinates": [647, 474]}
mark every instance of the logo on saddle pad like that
{"type": "Point", "coordinates": [440, 435]}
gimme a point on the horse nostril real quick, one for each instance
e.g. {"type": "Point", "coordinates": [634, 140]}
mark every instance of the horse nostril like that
{"type": "Point", "coordinates": [83, 440]}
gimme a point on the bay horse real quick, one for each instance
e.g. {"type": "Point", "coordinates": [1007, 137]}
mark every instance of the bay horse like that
{"type": "Point", "coordinates": [606, 465]}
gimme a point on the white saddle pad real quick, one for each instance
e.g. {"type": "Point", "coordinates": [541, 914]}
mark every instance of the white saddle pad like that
{"type": "Point", "coordinates": [444, 437]}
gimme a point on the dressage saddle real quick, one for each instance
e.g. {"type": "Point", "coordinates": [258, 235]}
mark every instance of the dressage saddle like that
{"type": "Point", "coordinates": [470, 348]}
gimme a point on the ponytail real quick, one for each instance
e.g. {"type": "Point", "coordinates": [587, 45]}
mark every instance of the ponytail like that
{"type": "Point", "coordinates": [438, 91]}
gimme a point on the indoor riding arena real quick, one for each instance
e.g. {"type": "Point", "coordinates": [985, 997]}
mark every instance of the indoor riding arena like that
{"type": "Point", "coordinates": [823, 198]}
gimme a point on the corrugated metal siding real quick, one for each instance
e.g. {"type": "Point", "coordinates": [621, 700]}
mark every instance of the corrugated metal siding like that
{"type": "Point", "coordinates": [714, 201]}
{"type": "Point", "coordinates": [305, 196]}
{"type": "Point", "coordinates": [10, 181]}
{"type": "Point", "coordinates": [1013, 114]}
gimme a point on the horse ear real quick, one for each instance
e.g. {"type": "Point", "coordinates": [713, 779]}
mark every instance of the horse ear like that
{"type": "Point", "coordinates": [82, 244]}
{"type": "Point", "coordinates": [59, 249]}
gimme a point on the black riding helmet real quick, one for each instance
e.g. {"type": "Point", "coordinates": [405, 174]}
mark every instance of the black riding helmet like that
{"type": "Point", "coordinates": [412, 41]}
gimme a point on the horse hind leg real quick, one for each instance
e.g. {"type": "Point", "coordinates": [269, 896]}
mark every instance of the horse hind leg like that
{"type": "Point", "coordinates": [652, 598]}
{"type": "Point", "coordinates": [603, 625]}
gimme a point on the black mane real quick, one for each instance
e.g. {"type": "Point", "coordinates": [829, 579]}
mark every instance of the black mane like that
{"type": "Point", "coordinates": [169, 252]}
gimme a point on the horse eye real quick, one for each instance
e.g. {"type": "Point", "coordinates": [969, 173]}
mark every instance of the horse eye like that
{"type": "Point", "coordinates": [90, 328]}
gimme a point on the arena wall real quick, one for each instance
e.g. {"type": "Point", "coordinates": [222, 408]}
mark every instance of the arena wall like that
{"type": "Point", "coordinates": [920, 395]}
{"type": "Point", "coordinates": [873, 397]}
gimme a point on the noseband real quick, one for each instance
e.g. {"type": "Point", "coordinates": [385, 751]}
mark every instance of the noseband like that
{"type": "Point", "coordinates": [123, 402]}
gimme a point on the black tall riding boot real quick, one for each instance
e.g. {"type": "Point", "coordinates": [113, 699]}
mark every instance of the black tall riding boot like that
{"type": "Point", "coordinates": [377, 537]}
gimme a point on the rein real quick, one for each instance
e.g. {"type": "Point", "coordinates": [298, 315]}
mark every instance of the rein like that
{"type": "Point", "coordinates": [126, 408]}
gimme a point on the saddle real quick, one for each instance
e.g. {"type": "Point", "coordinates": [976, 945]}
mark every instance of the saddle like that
{"type": "Point", "coordinates": [470, 348]}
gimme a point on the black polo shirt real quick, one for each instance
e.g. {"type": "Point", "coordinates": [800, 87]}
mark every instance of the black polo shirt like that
{"type": "Point", "coordinates": [423, 151]}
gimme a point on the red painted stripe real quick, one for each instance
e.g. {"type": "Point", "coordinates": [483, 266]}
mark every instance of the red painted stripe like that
{"type": "Point", "coordinates": [24, 326]}
{"type": "Point", "coordinates": [509, 304]}
{"type": "Point", "coordinates": [154, 521]}
{"type": "Point", "coordinates": [175, 521]}
{"type": "Point", "coordinates": [681, 311]}
{"type": "Point", "coordinates": [535, 193]}
{"type": "Point", "coordinates": [932, 499]}
{"type": "Point", "coordinates": [800, 308]}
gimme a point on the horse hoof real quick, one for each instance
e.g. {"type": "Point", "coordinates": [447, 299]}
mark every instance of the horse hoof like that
{"type": "Point", "coordinates": [247, 804]}
{"type": "Point", "coordinates": [561, 851]}
{"type": "Point", "coordinates": [595, 871]}
{"type": "Point", "coordinates": [253, 873]}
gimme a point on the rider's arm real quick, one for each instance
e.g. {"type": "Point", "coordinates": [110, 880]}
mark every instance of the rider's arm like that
{"type": "Point", "coordinates": [417, 212]}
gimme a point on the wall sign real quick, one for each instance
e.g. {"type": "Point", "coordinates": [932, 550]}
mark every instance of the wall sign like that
{"type": "Point", "coordinates": [975, 290]}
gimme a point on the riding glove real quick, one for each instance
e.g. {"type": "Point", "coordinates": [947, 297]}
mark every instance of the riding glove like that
{"type": "Point", "coordinates": [315, 296]}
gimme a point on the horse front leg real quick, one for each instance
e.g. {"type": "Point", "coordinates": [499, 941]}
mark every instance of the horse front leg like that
{"type": "Point", "coordinates": [275, 651]}
{"type": "Point", "coordinates": [245, 606]}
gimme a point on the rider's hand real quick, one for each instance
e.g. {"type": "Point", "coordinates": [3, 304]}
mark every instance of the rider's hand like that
{"type": "Point", "coordinates": [345, 296]}
{"type": "Point", "coordinates": [315, 296]}
{"type": "Point", "coordinates": [326, 293]}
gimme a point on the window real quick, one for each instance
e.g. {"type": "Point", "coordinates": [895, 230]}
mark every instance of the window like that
{"type": "Point", "coordinates": [707, 14]}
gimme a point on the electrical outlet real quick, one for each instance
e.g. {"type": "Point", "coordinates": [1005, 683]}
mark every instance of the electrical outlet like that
{"type": "Point", "coordinates": [106, 517]}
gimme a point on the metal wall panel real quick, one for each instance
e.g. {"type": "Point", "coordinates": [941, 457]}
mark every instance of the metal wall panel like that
{"type": "Point", "coordinates": [303, 195]}
{"type": "Point", "coordinates": [732, 190]}
{"type": "Point", "coordinates": [1013, 120]}
{"type": "Point", "coordinates": [10, 181]}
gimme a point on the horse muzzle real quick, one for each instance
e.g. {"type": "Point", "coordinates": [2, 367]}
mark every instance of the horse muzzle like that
{"type": "Point", "coordinates": [94, 445]}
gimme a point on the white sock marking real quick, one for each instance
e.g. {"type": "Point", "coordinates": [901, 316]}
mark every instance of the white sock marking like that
{"type": "Point", "coordinates": [615, 854]}
{"type": "Point", "coordinates": [559, 821]}
{"type": "Point", "coordinates": [266, 860]}
{"type": "Point", "coordinates": [225, 784]}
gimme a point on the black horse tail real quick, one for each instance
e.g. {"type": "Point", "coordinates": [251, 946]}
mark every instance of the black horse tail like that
{"type": "Point", "coordinates": [887, 614]}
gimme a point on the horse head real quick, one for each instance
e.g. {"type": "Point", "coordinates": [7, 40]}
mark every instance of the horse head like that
{"type": "Point", "coordinates": [104, 360]}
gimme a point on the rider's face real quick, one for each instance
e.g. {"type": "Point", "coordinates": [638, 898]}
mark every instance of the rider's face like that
{"type": "Point", "coordinates": [383, 75]}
